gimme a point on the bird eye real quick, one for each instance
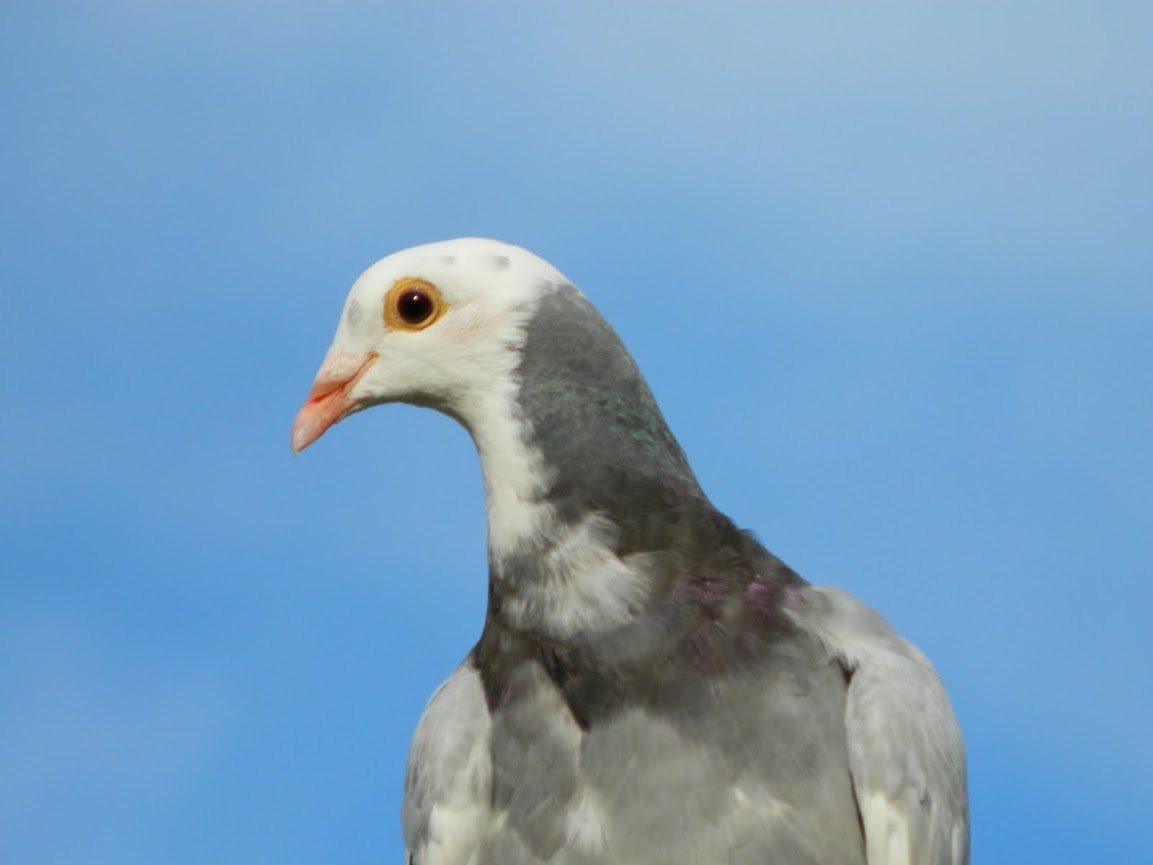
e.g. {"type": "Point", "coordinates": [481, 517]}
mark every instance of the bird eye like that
{"type": "Point", "coordinates": [412, 304]}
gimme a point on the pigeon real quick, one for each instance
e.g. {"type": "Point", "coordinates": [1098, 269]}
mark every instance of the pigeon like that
{"type": "Point", "coordinates": [651, 685]}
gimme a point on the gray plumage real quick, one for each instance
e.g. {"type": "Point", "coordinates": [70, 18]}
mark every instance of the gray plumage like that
{"type": "Point", "coordinates": [651, 684]}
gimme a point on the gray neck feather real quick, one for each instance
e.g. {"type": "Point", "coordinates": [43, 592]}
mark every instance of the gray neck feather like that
{"type": "Point", "coordinates": [629, 550]}
{"type": "Point", "coordinates": [590, 414]}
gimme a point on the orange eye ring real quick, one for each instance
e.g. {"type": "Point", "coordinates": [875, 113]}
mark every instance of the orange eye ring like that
{"type": "Point", "coordinates": [412, 304]}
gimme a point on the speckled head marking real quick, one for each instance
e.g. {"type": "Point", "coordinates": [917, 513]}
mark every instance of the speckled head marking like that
{"type": "Point", "coordinates": [352, 314]}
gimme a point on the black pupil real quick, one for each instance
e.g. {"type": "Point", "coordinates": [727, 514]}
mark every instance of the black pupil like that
{"type": "Point", "coordinates": [414, 306]}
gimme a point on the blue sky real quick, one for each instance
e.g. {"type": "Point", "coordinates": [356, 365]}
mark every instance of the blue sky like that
{"type": "Point", "coordinates": [888, 271]}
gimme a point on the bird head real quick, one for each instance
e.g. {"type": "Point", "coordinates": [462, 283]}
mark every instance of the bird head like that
{"type": "Point", "coordinates": [438, 325]}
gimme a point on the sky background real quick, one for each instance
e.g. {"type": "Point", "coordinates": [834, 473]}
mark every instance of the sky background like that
{"type": "Point", "coordinates": [887, 267]}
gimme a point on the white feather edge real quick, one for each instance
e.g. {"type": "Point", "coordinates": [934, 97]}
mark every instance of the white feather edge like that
{"type": "Point", "coordinates": [887, 840]}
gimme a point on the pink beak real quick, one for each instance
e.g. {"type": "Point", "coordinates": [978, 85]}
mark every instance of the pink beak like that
{"type": "Point", "coordinates": [329, 399]}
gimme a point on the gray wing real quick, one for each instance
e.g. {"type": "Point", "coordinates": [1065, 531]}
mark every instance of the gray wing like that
{"type": "Point", "coordinates": [448, 784]}
{"type": "Point", "coordinates": [906, 755]}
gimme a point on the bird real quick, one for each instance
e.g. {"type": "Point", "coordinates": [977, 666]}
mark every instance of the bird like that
{"type": "Point", "coordinates": [651, 684]}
